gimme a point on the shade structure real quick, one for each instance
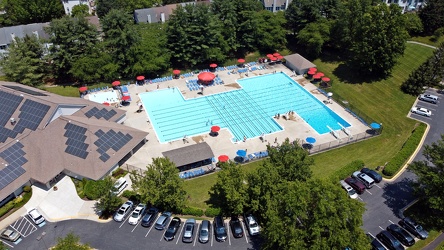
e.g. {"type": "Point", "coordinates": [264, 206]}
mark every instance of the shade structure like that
{"type": "Point", "coordinates": [317, 77]}
{"type": "Point", "coordinates": [213, 65]}
{"type": "Point", "coordinates": [375, 125]}
{"type": "Point", "coordinates": [310, 140]}
{"type": "Point", "coordinates": [241, 153]}
{"type": "Point", "coordinates": [273, 58]}
{"type": "Point", "coordinates": [215, 129]}
{"type": "Point", "coordinates": [176, 71]}
{"type": "Point", "coordinates": [313, 69]}
{"type": "Point", "coordinates": [115, 83]}
{"type": "Point", "coordinates": [320, 74]}
{"type": "Point", "coordinates": [269, 55]}
{"type": "Point", "coordinates": [106, 103]}
{"type": "Point", "coordinates": [83, 89]}
{"type": "Point", "coordinates": [206, 77]}
{"type": "Point", "coordinates": [140, 78]}
{"type": "Point", "coordinates": [126, 98]}
{"type": "Point", "coordinates": [240, 60]}
{"type": "Point", "coordinates": [325, 79]}
{"type": "Point", "coordinates": [223, 158]}
{"type": "Point", "coordinates": [276, 54]}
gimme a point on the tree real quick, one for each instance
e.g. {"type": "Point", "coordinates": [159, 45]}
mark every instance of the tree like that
{"type": "Point", "coordinates": [71, 241]}
{"type": "Point", "coordinates": [108, 201]}
{"type": "Point", "coordinates": [128, 6]}
{"type": "Point", "coordinates": [432, 15]}
{"type": "Point", "coordinates": [24, 61]}
{"type": "Point", "coordinates": [32, 11]}
{"type": "Point", "coordinates": [160, 185]}
{"type": "Point", "coordinates": [315, 214]}
{"type": "Point", "coordinates": [3, 246]}
{"type": "Point", "coordinates": [119, 37]}
{"type": "Point", "coordinates": [413, 23]}
{"type": "Point", "coordinates": [230, 190]}
{"type": "Point", "coordinates": [430, 174]}
{"type": "Point", "coordinates": [314, 36]}
{"type": "Point", "coordinates": [80, 10]}
{"type": "Point", "coordinates": [270, 33]}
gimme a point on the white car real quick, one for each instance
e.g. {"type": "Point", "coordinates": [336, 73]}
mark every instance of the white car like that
{"type": "Point", "coordinates": [35, 216]}
{"type": "Point", "coordinates": [252, 226]}
{"type": "Point", "coordinates": [137, 214]}
{"type": "Point", "coordinates": [421, 111]}
{"type": "Point", "coordinates": [350, 191]}
{"type": "Point", "coordinates": [123, 211]}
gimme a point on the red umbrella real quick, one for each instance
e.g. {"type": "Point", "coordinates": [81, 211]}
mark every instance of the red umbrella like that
{"type": "Point", "coordinates": [269, 55]}
{"type": "Point", "coordinates": [106, 103]}
{"type": "Point", "coordinates": [320, 74]}
{"type": "Point", "coordinates": [240, 60]}
{"type": "Point", "coordinates": [215, 129]}
{"type": "Point", "coordinates": [206, 76]}
{"type": "Point", "coordinates": [317, 77]}
{"type": "Point", "coordinates": [116, 83]}
{"type": "Point", "coordinates": [140, 78]}
{"type": "Point", "coordinates": [273, 58]}
{"type": "Point", "coordinates": [126, 98]}
{"type": "Point", "coordinates": [176, 71]}
{"type": "Point", "coordinates": [313, 69]}
{"type": "Point", "coordinates": [311, 72]}
{"type": "Point", "coordinates": [213, 65]}
{"type": "Point", "coordinates": [279, 57]}
{"type": "Point", "coordinates": [83, 89]}
{"type": "Point", "coordinates": [223, 158]}
{"type": "Point", "coordinates": [325, 79]}
{"type": "Point", "coordinates": [276, 54]}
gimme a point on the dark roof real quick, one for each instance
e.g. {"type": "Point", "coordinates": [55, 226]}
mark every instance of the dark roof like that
{"type": "Point", "coordinates": [141, 15]}
{"type": "Point", "coordinates": [299, 61]}
{"type": "Point", "coordinates": [189, 154]}
{"type": "Point", "coordinates": [7, 34]}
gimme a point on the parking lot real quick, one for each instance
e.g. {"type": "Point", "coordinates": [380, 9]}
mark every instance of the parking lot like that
{"type": "Point", "coordinates": [24, 227]}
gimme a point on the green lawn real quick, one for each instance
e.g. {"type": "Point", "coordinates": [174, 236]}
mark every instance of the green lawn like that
{"type": "Point", "coordinates": [381, 100]}
{"type": "Point", "coordinates": [427, 40]}
{"type": "Point", "coordinates": [71, 90]}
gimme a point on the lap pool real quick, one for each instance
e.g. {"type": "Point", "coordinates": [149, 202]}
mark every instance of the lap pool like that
{"type": "Point", "coordinates": [246, 112]}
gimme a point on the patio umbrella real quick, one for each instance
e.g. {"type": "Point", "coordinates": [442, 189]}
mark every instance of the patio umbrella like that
{"type": "Point", "coordinates": [313, 69]}
{"type": "Point", "coordinates": [106, 103]}
{"type": "Point", "coordinates": [329, 94]}
{"type": "Point", "coordinates": [279, 57]}
{"type": "Point", "coordinates": [240, 60]}
{"type": "Point", "coordinates": [320, 74]}
{"type": "Point", "coordinates": [126, 98]}
{"type": "Point", "coordinates": [223, 158]}
{"type": "Point", "coordinates": [273, 58]}
{"type": "Point", "coordinates": [241, 153]}
{"type": "Point", "coordinates": [83, 89]}
{"type": "Point", "coordinates": [176, 71]}
{"type": "Point", "coordinates": [325, 79]}
{"type": "Point", "coordinates": [375, 125]}
{"type": "Point", "coordinates": [276, 54]}
{"type": "Point", "coordinates": [310, 140]}
{"type": "Point", "coordinates": [269, 55]}
{"type": "Point", "coordinates": [215, 129]}
{"type": "Point", "coordinates": [311, 72]}
{"type": "Point", "coordinates": [140, 78]}
{"type": "Point", "coordinates": [206, 77]}
{"type": "Point", "coordinates": [213, 65]}
{"type": "Point", "coordinates": [317, 77]}
{"type": "Point", "coordinates": [116, 83]}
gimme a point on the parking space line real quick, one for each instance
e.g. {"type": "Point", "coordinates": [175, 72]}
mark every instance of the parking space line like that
{"type": "Point", "coordinates": [378, 186]}
{"type": "Point", "coordinates": [195, 235]}
{"type": "Point", "coordinates": [127, 218]}
{"type": "Point", "coordinates": [181, 229]}
{"type": "Point", "coordinates": [391, 222]}
{"type": "Point", "coordinates": [135, 226]}
{"type": "Point", "coordinates": [381, 227]}
{"type": "Point", "coordinates": [245, 232]}
{"type": "Point", "coordinates": [368, 192]}
{"type": "Point", "coordinates": [7, 244]}
{"type": "Point", "coordinates": [360, 198]}
{"type": "Point", "coordinates": [211, 234]}
{"type": "Point", "coordinates": [34, 227]}
{"type": "Point", "coordinates": [229, 238]}
{"type": "Point", "coordinates": [149, 231]}
{"type": "Point", "coordinates": [164, 231]}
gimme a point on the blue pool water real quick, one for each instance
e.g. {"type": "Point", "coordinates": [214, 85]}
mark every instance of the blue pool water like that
{"type": "Point", "coordinates": [245, 112]}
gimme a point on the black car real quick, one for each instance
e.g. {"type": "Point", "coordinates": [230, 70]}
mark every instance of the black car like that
{"type": "Point", "coordinates": [389, 241]}
{"type": "Point", "coordinates": [236, 227]}
{"type": "Point", "coordinates": [401, 235]}
{"type": "Point", "coordinates": [219, 229]}
{"type": "Point", "coordinates": [149, 217]}
{"type": "Point", "coordinates": [376, 245]}
{"type": "Point", "coordinates": [414, 228]}
{"type": "Point", "coordinates": [172, 229]}
{"type": "Point", "coordinates": [373, 174]}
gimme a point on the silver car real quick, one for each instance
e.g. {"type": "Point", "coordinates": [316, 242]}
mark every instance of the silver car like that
{"type": "Point", "coordinates": [204, 233]}
{"type": "Point", "coordinates": [162, 220]}
{"type": "Point", "coordinates": [123, 211]}
{"type": "Point", "coordinates": [188, 233]}
{"type": "Point", "coordinates": [252, 225]}
{"type": "Point", "coordinates": [9, 234]}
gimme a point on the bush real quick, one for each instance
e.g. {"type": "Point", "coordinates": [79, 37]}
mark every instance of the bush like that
{"type": "Point", "coordinates": [347, 170]}
{"type": "Point", "coordinates": [212, 212]}
{"type": "Point", "coordinates": [17, 200]}
{"type": "Point", "coordinates": [92, 189]}
{"type": "Point", "coordinates": [6, 208]}
{"type": "Point", "coordinates": [192, 211]}
{"type": "Point", "coordinates": [27, 189]}
{"type": "Point", "coordinates": [406, 151]}
{"type": "Point", "coordinates": [120, 172]}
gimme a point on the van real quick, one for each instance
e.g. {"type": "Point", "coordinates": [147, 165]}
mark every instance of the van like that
{"type": "Point", "coordinates": [365, 179]}
{"type": "Point", "coordinates": [120, 185]}
{"type": "Point", "coordinates": [428, 98]}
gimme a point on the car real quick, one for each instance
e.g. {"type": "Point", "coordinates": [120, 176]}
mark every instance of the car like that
{"type": "Point", "coordinates": [35, 216]}
{"type": "Point", "coordinates": [137, 214]}
{"type": "Point", "coordinates": [204, 233]}
{"type": "Point", "coordinates": [123, 211]}
{"type": "Point", "coordinates": [405, 238]}
{"type": "Point", "coordinates": [9, 234]}
{"type": "Point", "coordinates": [373, 174]}
{"type": "Point", "coordinates": [350, 191]}
{"type": "Point", "coordinates": [236, 227]}
{"type": "Point", "coordinates": [149, 217]}
{"type": "Point", "coordinates": [162, 220]}
{"type": "Point", "coordinates": [428, 98]}
{"type": "Point", "coordinates": [365, 179]}
{"type": "Point", "coordinates": [414, 228]}
{"type": "Point", "coordinates": [219, 229]}
{"type": "Point", "coordinates": [252, 225]}
{"type": "Point", "coordinates": [376, 245]}
{"type": "Point", "coordinates": [170, 233]}
{"type": "Point", "coordinates": [421, 111]}
{"type": "Point", "coordinates": [188, 232]}
{"type": "Point", "coordinates": [357, 185]}
{"type": "Point", "coordinates": [389, 241]}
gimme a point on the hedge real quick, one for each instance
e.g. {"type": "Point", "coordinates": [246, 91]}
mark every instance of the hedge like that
{"type": "Point", "coordinates": [347, 170]}
{"type": "Point", "coordinates": [406, 151]}
{"type": "Point", "coordinates": [212, 212]}
{"type": "Point", "coordinates": [131, 195]}
{"type": "Point", "coordinates": [18, 202]}
{"type": "Point", "coordinates": [192, 211]}
{"type": "Point", "coordinates": [120, 172]}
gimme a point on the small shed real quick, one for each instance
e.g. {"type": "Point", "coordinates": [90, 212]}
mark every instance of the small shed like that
{"type": "Point", "coordinates": [189, 154]}
{"type": "Point", "coordinates": [298, 63]}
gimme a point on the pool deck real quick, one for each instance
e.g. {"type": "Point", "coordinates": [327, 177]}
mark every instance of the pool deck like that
{"type": "Point", "coordinates": [294, 128]}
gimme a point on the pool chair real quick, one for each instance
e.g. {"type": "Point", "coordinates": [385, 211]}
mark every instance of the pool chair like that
{"type": "Point", "coordinates": [251, 157]}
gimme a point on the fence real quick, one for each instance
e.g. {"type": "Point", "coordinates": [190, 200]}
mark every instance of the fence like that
{"type": "Point", "coordinates": [342, 142]}
{"type": "Point", "coordinates": [131, 168]}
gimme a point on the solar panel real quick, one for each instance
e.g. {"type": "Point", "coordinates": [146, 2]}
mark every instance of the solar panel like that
{"type": "Point", "coordinates": [76, 140]}
{"type": "Point", "coordinates": [110, 140]}
{"type": "Point", "coordinates": [6, 133]}
{"type": "Point", "coordinates": [100, 113]}
{"type": "Point", "coordinates": [25, 90]}
{"type": "Point", "coordinates": [31, 115]}
{"type": "Point", "coordinates": [8, 104]}
{"type": "Point", "coordinates": [14, 156]}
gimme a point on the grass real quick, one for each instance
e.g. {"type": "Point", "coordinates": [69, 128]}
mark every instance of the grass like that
{"type": "Point", "coordinates": [428, 40]}
{"type": "Point", "coordinates": [71, 91]}
{"type": "Point", "coordinates": [420, 244]}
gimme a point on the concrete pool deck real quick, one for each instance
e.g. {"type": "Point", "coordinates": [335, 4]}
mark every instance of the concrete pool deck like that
{"type": "Point", "coordinates": [294, 128]}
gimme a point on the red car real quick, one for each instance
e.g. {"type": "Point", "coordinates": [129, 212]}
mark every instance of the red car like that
{"type": "Point", "coordinates": [357, 185]}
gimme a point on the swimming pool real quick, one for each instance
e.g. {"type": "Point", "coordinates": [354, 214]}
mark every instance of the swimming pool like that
{"type": "Point", "coordinates": [246, 112]}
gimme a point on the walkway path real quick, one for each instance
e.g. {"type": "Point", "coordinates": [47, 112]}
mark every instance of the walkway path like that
{"type": "Point", "coordinates": [423, 44]}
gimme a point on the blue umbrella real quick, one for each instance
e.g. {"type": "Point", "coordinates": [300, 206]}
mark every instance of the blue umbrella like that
{"type": "Point", "coordinates": [375, 125]}
{"type": "Point", "coordinates": [310, 140]}
{"type": "Point", "coordinates": [241, 153]}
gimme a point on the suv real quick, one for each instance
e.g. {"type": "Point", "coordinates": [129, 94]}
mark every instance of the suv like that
{"type": "Point", "coordinates": [149, 217]}
{"type": "Point", "coordinates": [389, 241]}
{"type": "Point", "coordinates": [188, 232]}
{"type": "Point", "coordinates": [123, 211]}
{"type": "Point", "coordinates": [414, 228]}
{"type": "Point", "coordinates": [162, 221]}
{"type": "Point", "coordinates": [428, 98]}
{"type": "Point", "coordinates": [402, 235]}
{"type": "Point", "coordinates": [219, 228]}
{"type": "Point", "coordinates": [252, 226]}
{"type": "Point", "coordinates": [365, 179]}
{"type": "Point", "coordinates": [36, 217]}
{"type": "Point", "coordinates": [373, 174]}
{"type": "Point", "coordinates": [350, 191]}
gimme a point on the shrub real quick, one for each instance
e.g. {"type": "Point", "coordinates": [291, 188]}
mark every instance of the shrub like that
{"type": "Point", "coordinates": [192, 211]}
{"type": "Point", "coordinates": [120, 172]}
{"type": "Point", "coordinates": [5, 209]}
{"type": "Point", "coordinates": [27, 189]}
{"type": "Point", "coordinates": [406, 151]}
{"type": "Point", "coordinates": [92, 189]}
{"type": "Point", "coordinates": [347, 170]}
{"type": "Point", "coordinates": [17, 200]}
{"type": "Point", "coordinates": [212, 212]}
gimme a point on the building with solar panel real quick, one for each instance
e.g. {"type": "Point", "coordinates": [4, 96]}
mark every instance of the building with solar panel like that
{"type": "Point", "coordinates": [43, 136]}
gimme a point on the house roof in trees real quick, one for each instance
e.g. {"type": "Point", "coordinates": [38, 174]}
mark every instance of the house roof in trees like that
{"type": "Point", "coordinates": [43, 134]}
{"type": "Point", "coordinates": [189, 154]}
{"type": "Point", "coordinates": [7, 34]}
{"type": "Point", "coordinates": [153, 15]}
{"type": "Point", "coordinates": [279, 3]}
